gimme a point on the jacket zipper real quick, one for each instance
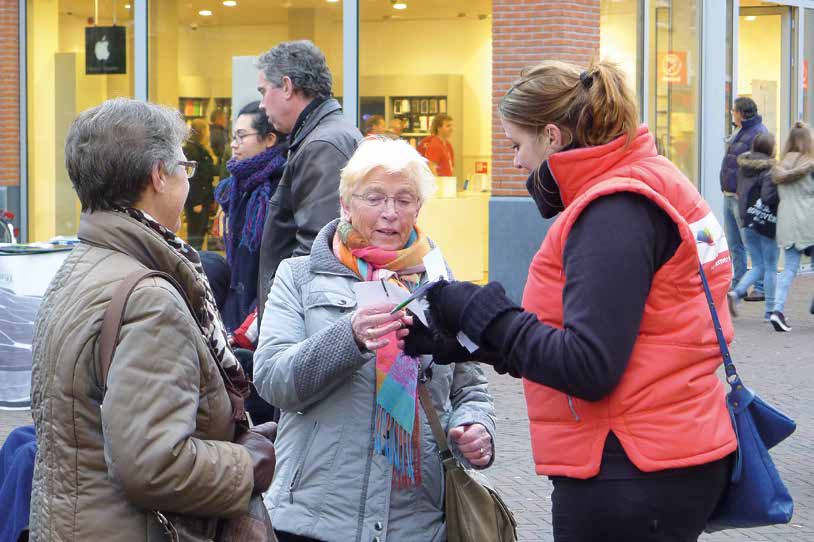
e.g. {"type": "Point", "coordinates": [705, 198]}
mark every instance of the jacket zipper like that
{"type": "Point", "coordinates": [571, 406]}
{"type": "Point", "coordinates": [297, 474]}
{"type": "Point", "coordinates": [366, 479]}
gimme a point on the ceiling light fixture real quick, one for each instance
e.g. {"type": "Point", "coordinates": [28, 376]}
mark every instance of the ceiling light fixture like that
{"type": "Point", "coordinates": [332, 1]}
{"type": "Point", "coordinates": [751, 18]}
{"type": "Point", "coordinates": [205, 13]}
{"type": "Point", "coordinates": [229, 3]}
{"type": "Point", "coordinates": [399, 5]}
{"type": "Point", "coordinates": [127, 6]}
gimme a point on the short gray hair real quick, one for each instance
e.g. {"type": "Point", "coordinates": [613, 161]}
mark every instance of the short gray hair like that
{"type": "Point", "coordinates": [303, 63]}
{"type": "Point", "coordinates": [111, 150]}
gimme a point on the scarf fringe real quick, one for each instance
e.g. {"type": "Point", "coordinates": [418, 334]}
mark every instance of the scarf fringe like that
{"type": "Point", "coordinates": [399, 447]}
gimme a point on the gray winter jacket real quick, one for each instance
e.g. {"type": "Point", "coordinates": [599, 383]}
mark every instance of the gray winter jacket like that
{"type": "Point", "coordinates": [307, 197]}
{"type": "Point", "coordinates": [329, 483]}
{"type": "Point", "coordinates": [794, 176]}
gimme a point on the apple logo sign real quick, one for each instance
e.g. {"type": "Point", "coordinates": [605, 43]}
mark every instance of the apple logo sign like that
{"type": "Point", "coordinates": [101, 49]}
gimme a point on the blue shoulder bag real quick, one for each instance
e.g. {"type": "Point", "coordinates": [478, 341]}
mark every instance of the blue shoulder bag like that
{"type": "Point", "coordinates": [756, 495]}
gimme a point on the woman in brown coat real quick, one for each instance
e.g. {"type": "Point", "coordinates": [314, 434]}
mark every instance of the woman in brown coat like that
{"type": "Point", "coordinates": [159, 436]}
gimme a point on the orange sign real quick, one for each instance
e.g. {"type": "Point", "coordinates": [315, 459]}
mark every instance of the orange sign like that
{"type": "Point", "coordinates": [481, 167]}
{"type": "Point", "coordinates": [673, 67]}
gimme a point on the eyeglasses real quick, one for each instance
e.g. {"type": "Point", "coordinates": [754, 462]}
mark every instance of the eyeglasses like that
{"type": "Point", "coordinates": [378, 201]}
{"type": "Point", "coordinates": [238, 138]}
{"type": "Point", "coordinates": [189, 167]}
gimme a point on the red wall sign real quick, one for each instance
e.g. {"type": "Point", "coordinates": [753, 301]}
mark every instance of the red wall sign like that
{"type": "Point", "coordinates": [481, 167]}
{"type": "Point", "coordinates": [673, 67]}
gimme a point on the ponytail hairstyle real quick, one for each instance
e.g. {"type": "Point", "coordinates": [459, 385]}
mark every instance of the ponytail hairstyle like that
{"type": "Point", "coordinates": [799, 140]}
{"type": "Point", "coordinates": [593, 107]}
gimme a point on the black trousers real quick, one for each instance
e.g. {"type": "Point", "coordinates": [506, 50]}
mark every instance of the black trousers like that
{"type": "Point", "coordinates": [662, 507]}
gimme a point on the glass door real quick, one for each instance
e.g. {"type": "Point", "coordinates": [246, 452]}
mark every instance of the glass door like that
{"type": "Point", "coordinates": [765, 66]}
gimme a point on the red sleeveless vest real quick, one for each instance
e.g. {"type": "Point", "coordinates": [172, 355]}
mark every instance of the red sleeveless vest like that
{"type": "Point", "coordinates": [669, 408]}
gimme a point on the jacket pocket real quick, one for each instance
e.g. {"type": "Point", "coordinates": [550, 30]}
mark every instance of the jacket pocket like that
{"type": "Point", "coordinates": [323, 308]}
{"type": "Point", "coordinates": [297, 477]}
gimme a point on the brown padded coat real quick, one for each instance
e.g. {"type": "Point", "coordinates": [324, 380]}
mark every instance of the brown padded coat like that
{"type": "Point", "coordinates": [162, 438]}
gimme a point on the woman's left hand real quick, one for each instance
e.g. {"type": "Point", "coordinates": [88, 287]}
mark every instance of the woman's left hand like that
{"type": "Point", "coordinates": [474, 443]}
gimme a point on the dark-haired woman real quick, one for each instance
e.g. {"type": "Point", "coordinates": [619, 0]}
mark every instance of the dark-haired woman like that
{"type": "Point", "coordinates": [257, 163]}
{"type": "Point", "coordinates": [614, 341]}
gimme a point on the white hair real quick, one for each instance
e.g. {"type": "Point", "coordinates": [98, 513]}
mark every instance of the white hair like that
{"type": "Point", "coordinates": [394, 156]}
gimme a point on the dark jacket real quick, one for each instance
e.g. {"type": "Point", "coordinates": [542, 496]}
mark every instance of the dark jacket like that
{"type": "Point", "coordinates": [218, 140]}
{"type": "Point", "coordinates": [739, 143]}
{"type": "Point", "coordinates": [308, 195]}
{"type": "Point", "coordinates": [201, 191]}
{"type": "Point", "coordinates": [755, 183]}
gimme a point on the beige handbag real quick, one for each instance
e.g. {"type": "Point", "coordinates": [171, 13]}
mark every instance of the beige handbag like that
{"type": "Point", "coordinates": [474, 512]}
{"type": "Point", "coordinates": [252, 526]}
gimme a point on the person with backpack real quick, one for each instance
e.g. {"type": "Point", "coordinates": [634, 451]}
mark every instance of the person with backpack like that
{"type": "Point", "coordinates": [757, 206]}
{"type": "Point", "coordinates": [749, 124]}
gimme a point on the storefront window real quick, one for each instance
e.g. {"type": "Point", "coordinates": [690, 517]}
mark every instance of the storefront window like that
{"type": "Point", "coordinates": [77, 58]}
{"type": "Point", "coordinates": [419, 60]}
{"type": "Point", "coordinates": [203, 60]}
{"type": "Point", "coordinates": [673, 81]}
{"type": "Point", "coordinates": [619, 36]}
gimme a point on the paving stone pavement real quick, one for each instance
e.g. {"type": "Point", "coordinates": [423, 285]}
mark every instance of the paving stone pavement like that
{"type": "Point", "coordinates": [779, 366]}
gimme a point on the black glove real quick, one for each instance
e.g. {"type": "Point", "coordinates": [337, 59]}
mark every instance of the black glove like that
{"type": "Point", "coordinates": [444, 349]}
{"type": "Point", "coordinates": [448, 301]}
{"type": "Point", "coordinates": [463, 306]}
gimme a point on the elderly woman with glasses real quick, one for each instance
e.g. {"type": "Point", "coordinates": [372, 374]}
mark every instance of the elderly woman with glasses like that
{"type": "Point", "coordinates": [155, 440]}
{"type": "Point", "coordinates": [356, 457]}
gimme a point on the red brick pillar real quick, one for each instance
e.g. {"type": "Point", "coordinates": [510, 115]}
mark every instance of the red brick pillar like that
{"type": "Point", "coordinates": [525, 32]}
{"type": "Point", "coordinates": [9, 93]}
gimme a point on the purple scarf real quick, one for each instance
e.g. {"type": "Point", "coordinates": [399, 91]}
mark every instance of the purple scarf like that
{"type": "Point", "coordinates": [250, 176]}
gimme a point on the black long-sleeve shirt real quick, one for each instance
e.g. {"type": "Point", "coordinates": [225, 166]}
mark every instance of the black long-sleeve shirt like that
{"type": "Point", "coordinates": [612, 253]}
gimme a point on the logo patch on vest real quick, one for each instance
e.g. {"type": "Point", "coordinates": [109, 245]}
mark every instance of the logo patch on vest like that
{"type": "Point", "coordinates": [709, 238]}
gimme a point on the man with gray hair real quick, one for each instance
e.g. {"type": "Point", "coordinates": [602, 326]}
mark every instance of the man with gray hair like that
{"type": "Point", "coordinates": [295, 84]}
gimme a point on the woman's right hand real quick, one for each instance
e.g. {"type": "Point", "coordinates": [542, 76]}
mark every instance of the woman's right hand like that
{"type": "Point", "coordinates": [370, 325]}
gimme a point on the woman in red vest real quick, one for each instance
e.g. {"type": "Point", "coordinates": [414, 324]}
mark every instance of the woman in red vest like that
{"type": "Point", "coordinates": [614, 340]}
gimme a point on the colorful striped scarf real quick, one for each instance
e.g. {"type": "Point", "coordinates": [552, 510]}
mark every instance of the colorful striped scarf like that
{"type": "Point", "coordinates": [397, 431]}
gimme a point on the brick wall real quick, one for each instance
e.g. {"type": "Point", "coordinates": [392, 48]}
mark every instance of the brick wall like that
{"type": "Point", "coordinates": [9, 94]}
{"type": "Point", "coordinates": [525, 32]}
